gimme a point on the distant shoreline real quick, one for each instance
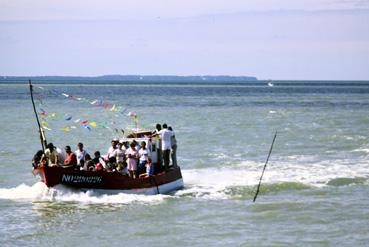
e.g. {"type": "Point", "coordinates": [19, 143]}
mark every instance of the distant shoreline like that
{"type": "Point", "coordinates": [168, 79]}
{"type": "Point", "coordinates": [132, 78]}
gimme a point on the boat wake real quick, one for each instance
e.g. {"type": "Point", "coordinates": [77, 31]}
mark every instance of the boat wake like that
{"type": "Point", "coordinates": [39, 192]}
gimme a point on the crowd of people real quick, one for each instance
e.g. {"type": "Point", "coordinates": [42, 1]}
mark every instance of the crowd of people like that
{"type": "Point", "coordinates": [125, 157]}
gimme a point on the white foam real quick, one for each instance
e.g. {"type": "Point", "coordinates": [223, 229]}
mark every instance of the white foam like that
{"type": "Point", "coordinates": [213, 182]}
{"type": "Point", "coordinates": [65, 194]}
{"type": "Point", "coordinates": [40, 192]}
{"type": "Point", "coordinates": [25, 192]}
{"type": "Point", "coordinates": [363, 150]}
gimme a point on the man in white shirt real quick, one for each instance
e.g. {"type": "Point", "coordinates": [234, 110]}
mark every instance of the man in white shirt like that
{"type": "Point", "coordinates": [80, 154]}
{"type": "Point", "coordinates": [111, 150]}
{"type": "Point", "coordinates": [144, 154]}
{"type": "Point", "coordinates": [166, 144]}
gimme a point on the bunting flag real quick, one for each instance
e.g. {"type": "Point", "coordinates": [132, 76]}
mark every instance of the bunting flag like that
{"type": "Point", "coordinates": [114, 108]}
{"type": "Point", "coordinates": [96, 102]}
{"type": "Point", "coordinates": [86, 124]}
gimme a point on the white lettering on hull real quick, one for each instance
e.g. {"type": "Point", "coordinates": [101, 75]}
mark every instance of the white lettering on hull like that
{"type": "Point", "coordinates": [77, 179]}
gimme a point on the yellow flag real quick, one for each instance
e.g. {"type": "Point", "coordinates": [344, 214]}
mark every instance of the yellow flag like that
{"type": "Point", "coordinates": [135, 120]}
{"type": "Point", "coordinates": [93, 124]}
{"type": "Point", "coordinates": [66, 129]}
{"type": "Point", "coordinates": [44, 123]}
{"type": "Point", "coordinates": [113, 109]}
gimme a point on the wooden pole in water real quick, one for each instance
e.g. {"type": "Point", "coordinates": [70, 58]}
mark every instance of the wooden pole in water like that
{"type": "Point", "coordinates": [41, 130]}
{"type": "Point", "coordinates": [261, 177]}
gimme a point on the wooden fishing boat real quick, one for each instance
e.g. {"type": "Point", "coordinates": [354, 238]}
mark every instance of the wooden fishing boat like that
{"type": "Point", "coordinates": [106, 181]}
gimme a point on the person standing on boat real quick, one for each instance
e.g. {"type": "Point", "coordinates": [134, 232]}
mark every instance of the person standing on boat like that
{"type": "Point", "coordinates": [51, 155]}
{"type": "Point", "coordinates": [119, 153]}
{"type": "Point", "coordinates": [132, 157]}
{"type": "Point", "coordinates": [173, 141]}
{"type": "Point", "coordinates": [120, 157]}
{"type": "Point", "coordinates": [71, 159]}
{"type": "Point", "coordinates": [111, 150]}
{"type": "Point", "coordinates": [166, 145]}
{"type": "Point", "coordinates": [158, 128]}
{"type": "Point", "coordinates": [159, 153]}
{"type": "Point", "coordinates": [144, 154]}
{"type": "Point", "coordinates": [81, 154]}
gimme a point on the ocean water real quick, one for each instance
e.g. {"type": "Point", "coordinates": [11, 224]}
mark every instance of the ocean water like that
{"type": "Point", "coordinates": [314, 191]}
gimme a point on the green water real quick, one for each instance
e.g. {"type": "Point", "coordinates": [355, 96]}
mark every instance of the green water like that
{"type": "Point", "coordinates": [314, 192]}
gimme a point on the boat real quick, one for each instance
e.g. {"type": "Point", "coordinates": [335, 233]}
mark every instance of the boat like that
{"type": "Point", "coordinates": [111, 181]}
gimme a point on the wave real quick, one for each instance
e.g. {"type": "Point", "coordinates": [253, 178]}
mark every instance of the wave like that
{"type": "Point", "coordinates": [347, 181]}
{"type": "Point", "coordinates": [248, 192]}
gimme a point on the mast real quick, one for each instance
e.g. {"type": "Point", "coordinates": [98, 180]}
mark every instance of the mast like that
{"type": "Point", "coordinates": [40, 129]}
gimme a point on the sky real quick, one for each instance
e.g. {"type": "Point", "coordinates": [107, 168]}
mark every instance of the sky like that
{"type": "Point", "coordinates": [269, 39]}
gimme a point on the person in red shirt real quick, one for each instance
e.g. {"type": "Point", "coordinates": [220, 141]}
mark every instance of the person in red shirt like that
{"type": "Point", "coordinates": [70, 159]}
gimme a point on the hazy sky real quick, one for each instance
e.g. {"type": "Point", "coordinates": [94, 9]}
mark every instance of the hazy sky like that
{"type": "Point", "coordinates": [269, 39]}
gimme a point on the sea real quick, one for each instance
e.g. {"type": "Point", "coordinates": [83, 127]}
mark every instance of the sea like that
{"type": "Point", "coordinates": [314, 191]}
